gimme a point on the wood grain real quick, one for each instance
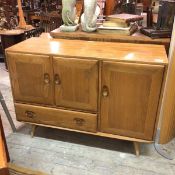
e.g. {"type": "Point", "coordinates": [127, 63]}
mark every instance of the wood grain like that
{"type": "Point", "coordinates": [107, 37]}
{"type": "Point", "coordinates": [56, 117]}
{"type": "Point", "coordinates": [109, 7]}
{"type": "Point", "coordinates": [78, 86]}
{"type": "Point", "coordinates": [95, 133]}
{"type": "Point", "coordinates": [125, 52]}
{"type": "Point", "coordinates": [130, 109]}
{"type": "Point", "coordinates": [129, 76]}
{"type": "Point", "coordinates": [28, 76]}
{"type": "Point", "coordinates": [168, 106]}
{"type": "Point", "coordinates": [17, 170]}
{"type": "Point", "coordinates": [3, 152]}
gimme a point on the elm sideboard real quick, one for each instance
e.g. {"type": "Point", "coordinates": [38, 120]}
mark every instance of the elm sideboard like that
{"type": "Point", "coordinates": [100, 88]}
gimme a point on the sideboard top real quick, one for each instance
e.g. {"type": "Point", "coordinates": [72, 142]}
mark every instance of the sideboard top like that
{"type": "Point", "coordinates": [140, 53]}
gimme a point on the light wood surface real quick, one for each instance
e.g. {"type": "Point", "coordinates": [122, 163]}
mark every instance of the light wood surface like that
{"type": "Point", "coordinates": [125, 52]}
{"type": "Point", "coordinates": [31, 77]}
{"type": "Point", "coordinates": [95, 133]}
{"type": "Point", "coordinates": [109, 7]}
{"type": "Point", "coordinates": [107, 37]}
{"type": "Point", "coordinates": [22, 22]}
{"type": "Point", "coordinates": [57, 117]}
{"type": "Point", "coordinates": [167, 126]}
{"type": "Point", "coordinates": [101, 88]}
{"type": "Point", "coordinates": [14, 169]}
{"type": "Point", "coordinates": [76, 83]}
{"type": "Point", "coordinates": [132, 99]}
{"type": "Point", "coordinates": [33, 130]}
{"type": "Point", "coordinates": [12, 32]}
{"type": "Point", "coordinates": [137, 148]}
{"type": "Point", "coordinates": [3, 158]}
{"type": "Point", "coordinates": [3, 152]}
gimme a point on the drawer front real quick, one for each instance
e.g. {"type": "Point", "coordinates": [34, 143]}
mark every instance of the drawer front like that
{"type": "Point", "coordinates": [56, 117]}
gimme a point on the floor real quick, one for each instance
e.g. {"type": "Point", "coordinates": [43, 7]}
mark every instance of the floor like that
{"type": "Point", "coordinates": [6, 91]}
{"type": "Point", "coordinates": [58, 152]}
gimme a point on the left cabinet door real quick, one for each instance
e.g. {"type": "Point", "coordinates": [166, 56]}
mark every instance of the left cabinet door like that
{"type": "Point", "coordinates": [31, 78]}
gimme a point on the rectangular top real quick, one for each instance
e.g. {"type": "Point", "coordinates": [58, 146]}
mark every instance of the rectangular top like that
{"type": "Point", "coordinates": [108, 51]}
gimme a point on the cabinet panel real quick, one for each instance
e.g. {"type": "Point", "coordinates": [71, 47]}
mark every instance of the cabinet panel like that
{"type": "Point", "coordinates": [31, 77]}
{"type": "Point", "coordinates": [76, 83]}
{"type": "Point", "coordinates": [130, 97]}
{"type": "Point", "coordinates": [56, 117]}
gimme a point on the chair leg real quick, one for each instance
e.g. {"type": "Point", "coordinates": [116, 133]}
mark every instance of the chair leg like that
{"type": "Point", "coordinates": [33, 130]}
{"type": "Point", "coordinates": [137, 148]}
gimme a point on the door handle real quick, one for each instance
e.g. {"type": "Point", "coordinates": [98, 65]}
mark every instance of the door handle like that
{"type": "Point", "coordinates": [57, 79]}
{"type": "Point", "coordinates": [105, 91]}
{"type": "Point", "coordinates": [30, 114]}
{"type": "Point", "coordinates": [46, 78]}
{"type": "Point", "coordinates": [79, 121]}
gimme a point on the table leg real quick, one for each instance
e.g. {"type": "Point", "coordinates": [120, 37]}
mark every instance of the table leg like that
{"type": "Point", "coordinates": [33, 130]}
{"type": "Point", "coordinates": [137, 148]}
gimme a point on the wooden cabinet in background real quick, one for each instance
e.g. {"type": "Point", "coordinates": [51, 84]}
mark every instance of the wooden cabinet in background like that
{"type": "Point", "coordinates": [101, 88]}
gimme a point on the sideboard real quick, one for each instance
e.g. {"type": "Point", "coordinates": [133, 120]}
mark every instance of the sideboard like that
{"type": "Point", "coordinates": [100, 88]}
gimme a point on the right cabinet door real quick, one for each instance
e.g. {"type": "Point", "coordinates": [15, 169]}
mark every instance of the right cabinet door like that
{"type": "Point", "coordinates": [130, 97]}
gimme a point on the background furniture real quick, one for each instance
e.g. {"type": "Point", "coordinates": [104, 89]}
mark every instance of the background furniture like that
{"type": "Point", "coordinates": [115, 88]}
{"type": "Point", "coordinates": [135, 38]}
{"type": "Point", "coordinates": [109, 7]}
{"type": "Point", "coordinates": [1, 53]}
{"type": "Point", "coordinates": [10, 8]}
{"type": "Point", "coordinates": [111, 4]}
{"type": "Point", "coordinates": [4, 155]}
{"type": "Point", "coordinates": [50, 22]}
{"type": "Point", "coordinates": [11, 37]}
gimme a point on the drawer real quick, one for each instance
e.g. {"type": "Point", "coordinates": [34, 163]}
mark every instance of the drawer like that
{"type": "Point", "coordinates": [56, 117]}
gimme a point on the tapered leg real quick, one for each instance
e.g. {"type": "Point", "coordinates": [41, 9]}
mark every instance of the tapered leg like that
{"type": "Point", "coordinates": [137, 148]}
{"type": "Point", "coordinates": [33, 130]}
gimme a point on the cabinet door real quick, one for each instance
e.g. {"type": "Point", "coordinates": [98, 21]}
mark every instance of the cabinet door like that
{"type": "Point", "coordinates": [31, 77]}
{"type": "Point", "coordinates": [76, 83]}
{"type": "Point", "coordinates": [130, 97]}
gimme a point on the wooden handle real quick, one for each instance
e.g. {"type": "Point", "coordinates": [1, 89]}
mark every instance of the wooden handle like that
{"type": "Point", "coordinates": [46, 78]}
{"type": "Point", "coordinates": [30, 114]}
{"type": "Point", "coordinates": [57, 79]}
{"type": "Point", "coordinates": [105, 91]}
{"type": "Point", "coordinates": [79, 121]}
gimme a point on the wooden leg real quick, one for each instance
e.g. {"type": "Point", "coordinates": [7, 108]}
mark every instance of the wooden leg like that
{"type": "Point", "coordinates": [33, 130]}
{"type": "Point", "coordinates": [137, 148]}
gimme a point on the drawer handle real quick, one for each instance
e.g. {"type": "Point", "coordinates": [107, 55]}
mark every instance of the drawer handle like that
{"type": "Point", "coordinates": [46, 78]}
{"type": "Point", "coordinates": [30, 114]}
{"type": "Point", "coordinates": [105, 91]}
{"type": "Point", "coordinates": [79, 121]}
{"type": "Point", "coordinates": [57, 79]}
